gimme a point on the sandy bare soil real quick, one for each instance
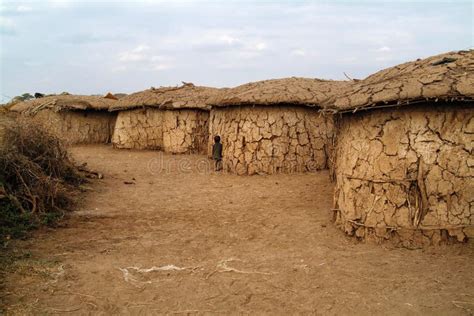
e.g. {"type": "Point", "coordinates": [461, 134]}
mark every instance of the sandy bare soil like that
{"type": "Point", "coordinates": [184, 240]}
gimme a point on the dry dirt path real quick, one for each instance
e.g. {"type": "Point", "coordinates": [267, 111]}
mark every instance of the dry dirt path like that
{"type": "Point", "coordinates": [193, 242]}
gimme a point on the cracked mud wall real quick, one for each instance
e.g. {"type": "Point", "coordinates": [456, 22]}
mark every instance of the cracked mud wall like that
{"type": "Point", "coordinates": [139, 129]}
{"type": "Point", "coordinates": [406, 174]}
{"type": "Point", "coordinates": [271, 139]}
{"type": "Point", "coordinates": [185, 131]}
{"type": "Point", "coordinates": [78, 127]}
{"type": "Point", "coordinates": [174, 131]}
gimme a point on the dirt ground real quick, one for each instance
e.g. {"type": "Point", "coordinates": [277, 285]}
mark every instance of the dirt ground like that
{"type": "Point", "coordinates": [161, 234]}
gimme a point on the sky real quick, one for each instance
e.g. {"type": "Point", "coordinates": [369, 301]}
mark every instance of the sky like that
{"type": "Point", "coordinates": [93, 47]}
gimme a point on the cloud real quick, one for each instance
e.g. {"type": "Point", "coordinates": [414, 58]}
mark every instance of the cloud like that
{"type": "Point", "coordinates": [130, 57]}
{"type": "Point", "coordinates": [13, 9]}
{"type": "Point", "coordinates": [298, 52]}
{"type": "Point", "coordinates": [136, 44]}
{"type": "Point", "coordinates": [141, 48]}
{"type": "Point", "coordinates": [384, 49]}
{"type": "Point", "coordinates": [91, 38]}
{"type": "Point", "coordinates": [142, 57]}
{"type": "Point", "coordinates": [32, 63]}
{"type": "Point", "coordinates": [119, 68]}
{"type": "Point", "coordinates": [160, 62]}
{"type": "Point", "coordinates": [348, 60]}
{"type": "Point", "coordinates": [134, 55]}
{"type": "Point", "coordinates": [24, 8]}
{"type": "Point", "coordinates": [162, 67]}
{"type": "Point", "coordinates": [261, 46]}
{"type": "Point", "coordinates": [157, 58]}
{"type": "Point", "coordinates": [384, 59]}
{"type": "Point", "coordinates": [210, 40]}
{"type": "Point", "coordinates": [7, 26]}
{"type": "Point", "coordinates": [61, 4]}
{"type": "Point", "coordinates": [230, 40]}
{"type": "Point", "coordinates": [384, 55]}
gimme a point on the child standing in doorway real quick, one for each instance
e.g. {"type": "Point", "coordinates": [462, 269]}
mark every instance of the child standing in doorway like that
{"type": "Point", "coordinates": [217, 152]}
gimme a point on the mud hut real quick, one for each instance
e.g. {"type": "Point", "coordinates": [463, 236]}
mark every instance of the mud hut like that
{"type": "Point", "coordinates": [172, 119]}
{"type": "Point", "coordinates": [274, 126]}
{"type": "Point", "coordinates": [405, 167]}
{"type": "Point", "coordinates": [76, 119]}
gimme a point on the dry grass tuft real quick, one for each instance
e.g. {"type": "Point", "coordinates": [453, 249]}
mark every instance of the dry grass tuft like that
{"type": "Point", "coordinates": [37, 179]}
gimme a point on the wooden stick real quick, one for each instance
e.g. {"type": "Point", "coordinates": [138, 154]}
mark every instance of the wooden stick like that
{"type": "Point", "coordinates": [55, 310]}
{"type": "Point", "coordinates": [411, 228]}
{"type": "Point", "coordinates": [351, 110]}
{"type": "Point", "coordinates": [348, 76]}
{"type": "Point", "coordinates": [380, 180]}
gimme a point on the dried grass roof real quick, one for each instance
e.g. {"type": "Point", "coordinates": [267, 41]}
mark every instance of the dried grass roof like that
{"type": "Point", "coordinates": [64, 102]}
{"type": "Point", "coordinates": [187, 96]}
{"type": "Point", "coordinates": [296, 91]}
{"type": "Point", "coordinates": [448, 76]}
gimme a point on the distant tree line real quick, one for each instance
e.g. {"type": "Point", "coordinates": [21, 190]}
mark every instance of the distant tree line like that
{"type": "Point", "coordinates": [28, 96]}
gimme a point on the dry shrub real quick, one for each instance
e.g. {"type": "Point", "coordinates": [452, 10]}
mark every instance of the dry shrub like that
{"type": "Point", "coordinates": [37, 178]}
{"type": "Point", "coordinates": [44, 149]}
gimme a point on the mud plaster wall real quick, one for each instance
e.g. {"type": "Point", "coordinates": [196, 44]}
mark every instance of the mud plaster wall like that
{"type": "Point", "coordinates": [139, 129]}
{"type": "Point", "coordinates": [271, 139]}
{"type": "Point", "coordinates": [175, 131]}
{"type": "Point", "coordinates": [185, 131]}
{"type": "Point", "coordinates": [78, 127]}
{"type": "Point", "coordinates": [408, 168]}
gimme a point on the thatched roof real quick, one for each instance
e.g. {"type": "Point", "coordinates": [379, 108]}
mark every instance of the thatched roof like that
{"type": "Point", "coordinates": [295, 91]}
{"type": "Point", "coordinates": [187, 96]}
{"type": "Point", "coordinates": [446, 77]}
{"type": "Point", "coordinates": [110, 96]}
{"type": "Point", "coordinates": [64, 102]}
